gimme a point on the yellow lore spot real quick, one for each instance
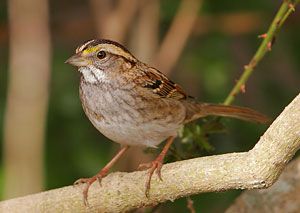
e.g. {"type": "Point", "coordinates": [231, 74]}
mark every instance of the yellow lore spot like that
{"type": "Point", "coordinates": [90, 50]}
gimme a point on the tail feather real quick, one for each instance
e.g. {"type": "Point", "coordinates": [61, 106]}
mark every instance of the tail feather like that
{"type": "Point", "coordinates": [195, 111]}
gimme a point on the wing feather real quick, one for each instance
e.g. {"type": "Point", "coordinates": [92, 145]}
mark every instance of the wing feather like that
{"type": "Point", "coordinates": [159, 84]}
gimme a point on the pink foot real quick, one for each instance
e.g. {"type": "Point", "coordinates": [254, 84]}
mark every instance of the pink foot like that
{"type": "Point", "coordinates": [89, 182]}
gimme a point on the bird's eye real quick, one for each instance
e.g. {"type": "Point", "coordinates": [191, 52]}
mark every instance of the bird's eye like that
{"type": "Point", "coordinates": [101, 54]}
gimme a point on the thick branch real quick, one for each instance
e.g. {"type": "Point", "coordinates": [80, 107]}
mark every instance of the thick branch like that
{"type": "Point", "coordinates": [27, 97]}
{"type": "Point", "coordinates": [284, 194]}
{"type": "Point", "coordinates": [258, 168]}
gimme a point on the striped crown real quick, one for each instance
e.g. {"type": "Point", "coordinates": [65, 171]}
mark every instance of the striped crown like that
{"type": "Point", "coordinates": [112, 47]}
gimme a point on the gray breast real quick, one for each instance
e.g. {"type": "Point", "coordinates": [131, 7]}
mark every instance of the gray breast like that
{"type": "Point", "coordinates": [130, 117]}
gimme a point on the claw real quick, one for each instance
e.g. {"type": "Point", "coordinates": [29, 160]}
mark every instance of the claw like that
{"type": "Point", "coordinates": [99, 181]}
{"type": "Point", "coordinates": [153, 166]}
{"type": "Point", "coordinates": [158, 170]}
{"type": "Point", "coordinates": [99, 176]}
{"type": "Point", "coordinates": [85, 193]}
{"type": "Point", "coordinates": [89, 182]}
{"type": "Point", "coordinates": [80, 181]}
{"type": "Point", "coordinates": [156, 165]}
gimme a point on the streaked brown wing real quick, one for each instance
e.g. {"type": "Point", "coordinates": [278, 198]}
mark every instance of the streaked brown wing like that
{"type": "Point", "coordinates": [161, 85]}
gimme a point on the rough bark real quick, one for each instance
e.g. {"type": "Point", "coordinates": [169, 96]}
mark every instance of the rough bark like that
{"type": "Point", "coordinates": [257, 168]}
{"type": "Point", "coordinates": [282, 196]}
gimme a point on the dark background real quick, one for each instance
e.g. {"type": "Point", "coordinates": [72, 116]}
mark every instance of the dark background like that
{"type": "Point", "coordinates": [220, 44]}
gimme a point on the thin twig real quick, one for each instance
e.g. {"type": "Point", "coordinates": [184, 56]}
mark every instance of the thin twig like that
{"type": "Point", "coordinates": [286, 8]}
{"type": "Point", "coordinates": [190, 204]}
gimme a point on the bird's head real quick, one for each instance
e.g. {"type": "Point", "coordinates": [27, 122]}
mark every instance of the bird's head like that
{"type": "Point", "coordinates": [101, 58]}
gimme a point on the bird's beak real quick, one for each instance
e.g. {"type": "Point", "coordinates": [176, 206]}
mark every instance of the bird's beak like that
{"type": "Point", "coordinates": [78, 61]}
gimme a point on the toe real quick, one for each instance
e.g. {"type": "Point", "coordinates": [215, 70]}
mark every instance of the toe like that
{"type": "Point", "coordinates": [99, 180]}
{"type": "Point", "coordinates": [80, 181]}
{"type": "Point", "coordinates": [158, 170]}
{"type": "Point", "coordinates": [85, 194]}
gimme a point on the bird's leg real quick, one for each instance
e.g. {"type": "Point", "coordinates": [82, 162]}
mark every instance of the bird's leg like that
{"type": "Point", "coordinates": [156, 164]}
{"type": "Point", "coordinates": [102, 173]}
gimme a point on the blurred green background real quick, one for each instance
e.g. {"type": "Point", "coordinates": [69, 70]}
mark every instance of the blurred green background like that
{"type": "Point", "coordinates": [221, 42]}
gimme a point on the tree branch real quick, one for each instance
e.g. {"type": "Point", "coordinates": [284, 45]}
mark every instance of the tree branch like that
{"type": "Point", "coordinates": [27, 97]}
{"type": "Point", "coordinates": [257, 168]}
{"type": "Point", "coordinates": [284, 194]}
{"type": "Point", "coordinates": [113, 21]}
{"type": "Point", "coordinates": [177, 35]}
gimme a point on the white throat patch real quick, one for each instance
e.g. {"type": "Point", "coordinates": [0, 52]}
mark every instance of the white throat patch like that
{"type": "Point", "coordinates": [93, 75]}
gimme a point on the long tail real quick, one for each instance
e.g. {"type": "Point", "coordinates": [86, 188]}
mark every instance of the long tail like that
{"type": "Point", "coordinates": [198, 110]}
